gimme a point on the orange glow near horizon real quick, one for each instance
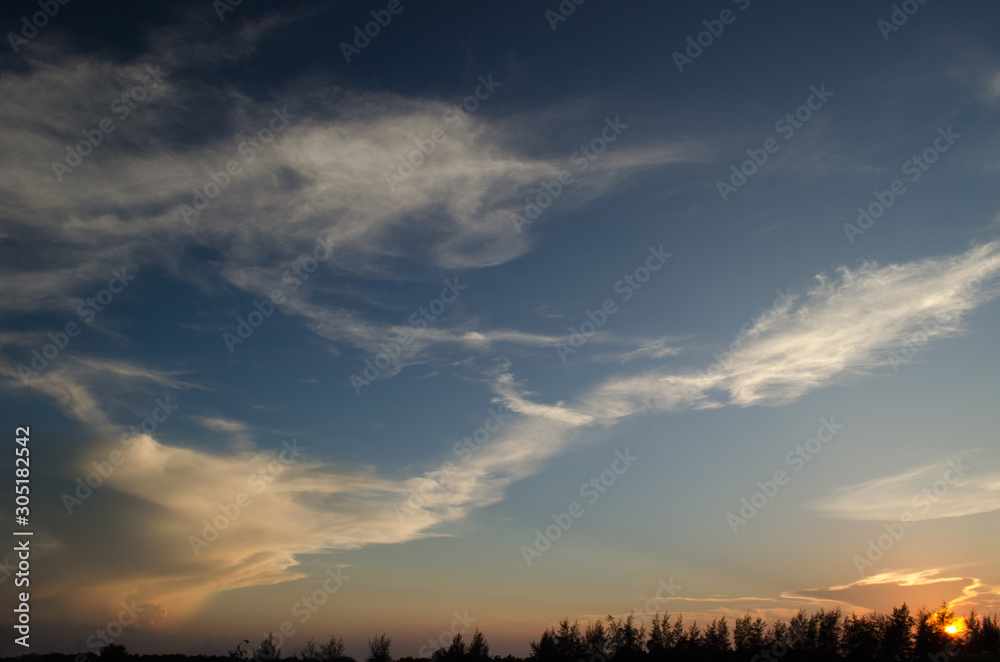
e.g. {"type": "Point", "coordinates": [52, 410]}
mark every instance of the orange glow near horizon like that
{"type": "Point", "coordinates": [957, 626]}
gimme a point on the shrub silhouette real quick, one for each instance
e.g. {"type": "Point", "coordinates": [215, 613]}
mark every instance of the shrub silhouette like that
{"type": "Point", "coordinates": [114, 653]}
{"type": "Point", "coordinates": [238, 653]}
{"type": "Point", "coordinates": [332, 651]}
{"type": "Point", "coordinates": [268, 649]}
{"type": "Point", "coordinates": [458, 651]}
{"type": "Point", "coordinates": [378, 649]}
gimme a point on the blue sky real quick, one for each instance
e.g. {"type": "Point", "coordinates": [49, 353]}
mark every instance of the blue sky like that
{"type": "Point", "coordinates": [255, 220]}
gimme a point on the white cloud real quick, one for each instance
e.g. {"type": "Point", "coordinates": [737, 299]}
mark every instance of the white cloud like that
{"type": "Point", "coordinates": [955, 487]}
{"type": "Point", "coordinates": [323, 176]}
{"type": "Point", "coordinates": [844, 326]}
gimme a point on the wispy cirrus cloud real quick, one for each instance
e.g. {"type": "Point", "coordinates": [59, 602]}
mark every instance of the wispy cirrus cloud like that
{"type": "Point", "coordinates": [879, 593]}
{"type": "Point", "coordinates": [956, 487]}
{"type": "Point", "coordinates": [322, 176]}
{"type": "Point", "coordinates": [85, 388]}
{"type": "Point", "coordinates": [843, 327]}
{"type": "Point", "coordinates": [917, 588]}
{"type": "Point", "coordinates": [838, 329]}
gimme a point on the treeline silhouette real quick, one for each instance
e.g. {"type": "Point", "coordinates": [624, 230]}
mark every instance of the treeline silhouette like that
{"type": "Point", "coordinates": [824, 636]}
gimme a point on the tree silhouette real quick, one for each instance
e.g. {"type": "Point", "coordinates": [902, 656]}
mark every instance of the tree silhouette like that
{"type": "Point", "coordinates": [777, 636]}
{"type": "Point", "coordinates": [479, 650]}
{"type": "Point", "coordinates": [310, 652]}
{"type": "Point", "coordinates": [114, 653]}
{"type": "Point", "coordinates": [862, 637]}
{"type": "Point", "coordinates": [824, 636]}
{"type": "Point", "coordinates": [896, 641]}
{"type": "Point", "coordinates": [661, 637]}
{"type": "Point", "coordinates": [597, 642]}
{"type": "Point", "coordinates": [268, 649]}
{"type": "Point", "coordinates": [564, 645]}
{"type": "Point", "coordinates": [458, 651]}
{"type": "Point", "coordinates": [717, 639]}
{"type": "Point", "coordinates": [748, 636]}
{"type": "Point", "coordinates": [798, 632]}
{"type": "Point", "coordinates": [378, 649]}
{"type": "Point", "coordinates": [455, 651]}
{"type": "Point", "coordinates": [828, 634]}
{"type": "Point", "coordinates": [989, 634]}
{"type": "Point", "coordinates": [545, 649]}
{"type": "Point", "coordinates": [629, 640]}
{"type": "Point", "coordinates": [930, 637]}
{"type": "Point", "coordinates": [333, 651]}
{"type": "Point", "coordinates": [690, 643]}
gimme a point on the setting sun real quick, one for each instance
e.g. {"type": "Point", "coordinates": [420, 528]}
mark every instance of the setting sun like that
{"type": "Point", "coordinates": [955, 627]}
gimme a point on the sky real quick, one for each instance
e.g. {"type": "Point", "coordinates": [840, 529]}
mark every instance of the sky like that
{"type": "Point", "coordinates": [420, 317]}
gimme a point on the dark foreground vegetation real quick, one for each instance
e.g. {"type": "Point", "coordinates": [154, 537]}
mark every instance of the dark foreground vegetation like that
{"type": "Point", "coordinates": [825, 636]}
